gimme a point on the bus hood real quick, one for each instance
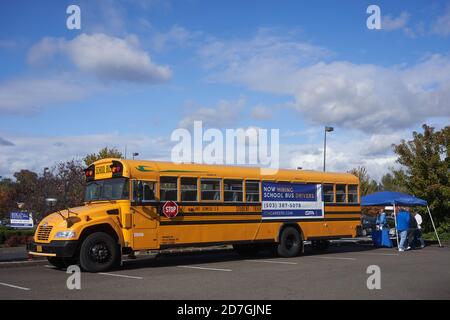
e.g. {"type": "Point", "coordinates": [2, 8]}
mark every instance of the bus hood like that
{"type": "Point", "coordinates": [69, 217]}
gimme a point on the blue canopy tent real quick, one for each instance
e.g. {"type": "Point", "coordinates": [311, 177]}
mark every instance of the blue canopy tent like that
{"type": "Point", "coordinates": [386, 198]}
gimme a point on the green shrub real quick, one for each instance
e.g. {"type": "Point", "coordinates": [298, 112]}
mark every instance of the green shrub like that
{"type": "Point", "coordinates": [7, 233]}
{"type": "Point", "coordinates": [443, 231]}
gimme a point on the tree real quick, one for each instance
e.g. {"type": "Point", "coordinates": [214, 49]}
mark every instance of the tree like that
{"type": "Point", "coordinates": [27, 189]}
{"type": "Point", "coordinates": [366, 184]}
{"type": "Point", "coordinates": [102, 154]}
{"type": "Point", "coordinates": [7, 202]}
{"type": "Point", "coordinates": [425, 169]}
{"type": "Point", "coordinates": [70, 183]}
{"type": "Point", "coordinates": [389, 182]}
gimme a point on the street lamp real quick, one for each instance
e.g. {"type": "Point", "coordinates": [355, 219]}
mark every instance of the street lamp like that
{"type": "Point", "coordinates": [135, 154]}
{"type": "Point", "coordinates": [327, 129]}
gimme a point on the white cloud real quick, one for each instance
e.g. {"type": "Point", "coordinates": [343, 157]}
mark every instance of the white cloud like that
{"type": "Point", "coordinates": [108, 58]}
{"type": "Point", "coordinates": [225, 114]}
{"type": "Point", "coordinates": [367, 97]}
{"type": "Point", "coordinates": [4, 142]}
{"type": "Point", "coordinates": [25, 96]}
{"type": "Point", "coordinates": [177, 36]}
{"type": "Point", "coordinates": [264, 62]}
{"type": "Point", "coordinates": [390, 23]}
{"type": "Point", "coordinates": [36, 152]}
{"type": "Point", "coordinates": [373, 152]}
{"type": "Point", "coordinates": [260, 112]}
{"type": "Point", "coordinates": [441, 26]}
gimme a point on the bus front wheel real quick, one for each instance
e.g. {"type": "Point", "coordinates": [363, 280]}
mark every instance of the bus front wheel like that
{"type": "Point", "coordinates": [99, 252]}
{"type": "Point", "coordinates": [290, 243]}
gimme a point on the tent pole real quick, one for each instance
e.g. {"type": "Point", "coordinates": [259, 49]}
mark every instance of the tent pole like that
{"type": "Point", "coordinates": [396, 232]}
{"type": "Point", "coordinates": [432, 222]}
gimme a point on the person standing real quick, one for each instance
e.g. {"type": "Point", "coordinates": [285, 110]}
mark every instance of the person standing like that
{"type": "Point", "coordinates": [402, 228]}
{"type": "Point", "coordinates": [381, 219]}
{"type": "Point", "coordinates": [412, 231]}
{"type": "Point", "coordinates": [419, 221]}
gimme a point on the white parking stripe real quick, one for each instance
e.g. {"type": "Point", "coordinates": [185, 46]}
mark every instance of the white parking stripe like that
{"type": "Point", "coordinates": [333, 258]}
{"type": "Point", "coordinates": [203, 268]}
{"type": "Point", "coordinates": [377, 254]}
{"type": "Point", "coordinates": [13, 286]}
{"type": "Point", "coordinates": [119, 275]}
{"type": "Point", "coordinates": [270, 261]}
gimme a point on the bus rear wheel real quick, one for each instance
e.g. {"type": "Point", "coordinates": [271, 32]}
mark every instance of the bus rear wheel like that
{"type": "Point", "coordinates": [99, 252]}
{"type": "Point", "coordinates": [290, 243]}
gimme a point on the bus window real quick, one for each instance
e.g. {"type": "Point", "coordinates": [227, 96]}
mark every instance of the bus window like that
{"type": "Point", "coordinates": [148, 191]}
{"type": "Point", "coordinates": [143, 191]}
{"type": "Point", "coordinates": [168, 189]}
{"type": "Point", "coordinates": [353, 193]}
{"type": "Point", "coordinates": [328, 193]}
{"type": "Point", "coordinates": [232, 190]}
{"type": "Point", "coordinates": [340, 193]}
{"type": "Point", "coordinates": [188, 189]}
{"type": "Point", "coordinates": [252, 191]}
{"type": "Point", "coordinates": [210, 189]}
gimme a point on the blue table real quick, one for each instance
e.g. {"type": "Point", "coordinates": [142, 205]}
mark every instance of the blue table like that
{"type": "Point", "coordinates": [380, 238]}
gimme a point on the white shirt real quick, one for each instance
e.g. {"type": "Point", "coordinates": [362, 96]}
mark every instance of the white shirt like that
{"type": "Point", "coordinates": [418, 218]}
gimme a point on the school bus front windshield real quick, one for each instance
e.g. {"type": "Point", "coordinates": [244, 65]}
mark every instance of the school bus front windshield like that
{"type": "Point", "coordinates": [108, 189]}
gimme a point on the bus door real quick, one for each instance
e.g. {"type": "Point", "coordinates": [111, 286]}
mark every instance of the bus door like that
{"type": "Point", "coordinates": [145, 215]}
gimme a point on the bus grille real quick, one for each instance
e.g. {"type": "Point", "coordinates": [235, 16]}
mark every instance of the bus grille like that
{"type": "Point", "coordinates": [44, 233]}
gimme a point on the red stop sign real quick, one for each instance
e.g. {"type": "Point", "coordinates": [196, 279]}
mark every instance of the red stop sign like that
{"type": "Point", "coordinates": [170, 209]}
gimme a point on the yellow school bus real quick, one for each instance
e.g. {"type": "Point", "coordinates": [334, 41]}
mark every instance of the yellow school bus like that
{"type": "Point", "coordinates": [133, 205]}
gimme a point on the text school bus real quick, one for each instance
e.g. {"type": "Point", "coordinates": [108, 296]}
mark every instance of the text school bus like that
{"type": "Point", "coordinates": [146, 205]}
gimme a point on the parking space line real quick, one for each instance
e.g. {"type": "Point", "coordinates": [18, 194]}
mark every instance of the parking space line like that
{"type": "Point", "coordinates": [13, 286]}
{"type": "Point", "coordinates": [270, 261]}
{"type": "Point", "coordinates": [333, 258]}
{"type": "Point", "coordinates": [377, 254]}
{"type": "Point", "coordinates": [204, 268]}
{"type": "Point", "coordinates": [119, 275]}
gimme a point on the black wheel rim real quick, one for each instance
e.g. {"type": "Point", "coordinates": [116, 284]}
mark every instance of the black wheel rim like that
{"type": "Point", "coordinates": [99, 252]}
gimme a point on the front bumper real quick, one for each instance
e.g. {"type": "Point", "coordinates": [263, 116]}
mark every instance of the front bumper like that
{"type": "Point", "coordinates": [56, 248]}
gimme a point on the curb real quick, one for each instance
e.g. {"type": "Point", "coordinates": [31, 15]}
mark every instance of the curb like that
{"type": "Point", "coordinates": [23, 263]}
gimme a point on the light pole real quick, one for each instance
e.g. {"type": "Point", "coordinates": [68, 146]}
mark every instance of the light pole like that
{"type": "Point", "coordinates": [135, 154]}
{"type": "Point", "coordinates": [327, 129]}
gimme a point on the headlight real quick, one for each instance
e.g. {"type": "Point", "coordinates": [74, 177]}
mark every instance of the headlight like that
{"type": "Point", "coordinates": [68, 234]}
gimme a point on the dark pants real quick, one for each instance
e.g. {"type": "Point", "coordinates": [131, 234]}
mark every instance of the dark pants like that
{"type": "Point", "coordinates": [412, 238]}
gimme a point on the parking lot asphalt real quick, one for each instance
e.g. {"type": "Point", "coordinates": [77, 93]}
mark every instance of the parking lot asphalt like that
{"type": "Point", "coordinates": [339, 273]}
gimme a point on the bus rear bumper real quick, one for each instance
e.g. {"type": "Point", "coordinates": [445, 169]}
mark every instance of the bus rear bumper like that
{"type": "Point", "coordinates": [56, 248]}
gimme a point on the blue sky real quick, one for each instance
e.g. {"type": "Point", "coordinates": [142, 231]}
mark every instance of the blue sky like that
{"type": "Point", "coordinates": [138, 69]}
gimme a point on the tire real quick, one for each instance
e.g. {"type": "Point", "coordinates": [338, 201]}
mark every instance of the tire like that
{"type": "Point", "coordinates": [246, 250]}
{"type": "Point", "coordinates": [290, 244]}
{"type": "Point", "coordinates": [320, 245]}
{"type": "Point", "coordinates": [99, 252]}
{"type": "Point", "coordinates": [60, 263]}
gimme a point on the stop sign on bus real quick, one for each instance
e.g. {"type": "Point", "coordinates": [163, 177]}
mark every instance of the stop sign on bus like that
{"type": "Point", "coordinates": [170, 209]}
